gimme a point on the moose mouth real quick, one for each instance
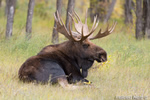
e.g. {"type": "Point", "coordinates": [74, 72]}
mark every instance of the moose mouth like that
{"type": "Point", "coordinates": [101, 59]}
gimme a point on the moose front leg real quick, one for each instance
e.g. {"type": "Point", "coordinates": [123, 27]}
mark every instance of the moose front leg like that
{"type": "Point", "coordinates": [85, 66]}
{"type": "Point", "coordinates": [84, 73]}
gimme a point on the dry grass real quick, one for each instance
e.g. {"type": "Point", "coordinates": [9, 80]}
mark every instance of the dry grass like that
{"type": "Point", "coordinates": [126, 73]}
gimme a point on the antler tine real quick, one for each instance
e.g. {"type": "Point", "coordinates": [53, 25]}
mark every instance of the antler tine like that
{"type": "Point", "coordinates": [82, 35]}
{"type": "Point", "coordinates": [113, 27]}
{"type": "Point", "coordinates": [60, 19]}
{"type": "Point", "coordinates": [85, 37]}
{"type": "Point", "coordinates": [56, 19]}
{"type": "Point", "coordinates": [95, 18]}
{"type": "Point", "coordinates": [95, 26]}
{"type": "Point", "coordinates": [60, 26]}
{"type": "Point", "coordinates": [76, 16]}
{"type": "Point", "coordinates": [71, 34]}
{"type": "Point", "coordinates": [58, 16]}
{"type": "Point", "coordinates": [103, 34]}
{"type": "Point", "coordinates": [75, 23]}
{"type": "Point", "coordinates": [71, 17]}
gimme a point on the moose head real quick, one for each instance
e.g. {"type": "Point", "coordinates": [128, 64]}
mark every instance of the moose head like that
{"type": "Point", "coordinates": [63, 62]}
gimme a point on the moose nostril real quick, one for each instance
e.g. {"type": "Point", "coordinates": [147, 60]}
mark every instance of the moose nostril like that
{"type": "Point", "coordinates": [102, 57]}
{"type": "Point", "coordinates": [105, 58]}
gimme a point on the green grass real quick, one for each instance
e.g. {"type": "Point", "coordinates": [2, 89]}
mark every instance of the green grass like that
{"type": "Point", "coordinates": [126, 73]}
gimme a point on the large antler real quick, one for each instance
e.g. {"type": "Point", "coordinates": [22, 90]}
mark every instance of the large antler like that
{"type": "Point", "coordinates": [82, 28]}
{"type": "Point", "coordinates": [103, 34]}
{"type": "Point", "coordinates": [62, 28]}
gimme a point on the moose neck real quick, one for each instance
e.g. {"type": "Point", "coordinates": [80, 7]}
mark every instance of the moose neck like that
{"type": "Point", "coordinates": [72, 51]}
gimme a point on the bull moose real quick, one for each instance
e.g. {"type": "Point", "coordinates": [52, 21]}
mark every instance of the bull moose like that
{"type": "Point", "coordinates": [68, 62]}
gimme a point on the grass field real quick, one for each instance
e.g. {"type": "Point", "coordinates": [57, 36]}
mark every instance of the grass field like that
{"type": "Point", "coordinates": [126, 74]}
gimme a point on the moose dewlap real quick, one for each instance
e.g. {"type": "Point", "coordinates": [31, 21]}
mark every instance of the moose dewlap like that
{"type": "Point", "coordinates": [61, 63]}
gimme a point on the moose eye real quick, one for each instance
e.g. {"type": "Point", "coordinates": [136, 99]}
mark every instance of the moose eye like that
{"type": "Point", "coordinates": [85, 46]}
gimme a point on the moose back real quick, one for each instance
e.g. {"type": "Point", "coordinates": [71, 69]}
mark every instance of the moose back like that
{"type": "Point", "coordinates": [69, 61]}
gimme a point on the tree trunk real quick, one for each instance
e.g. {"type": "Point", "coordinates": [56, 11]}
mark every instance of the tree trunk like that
{"type": "Point", "coordinates": [6, 7]}
{"type": "Point", "coordinates": [92, 4]}
{"type": "Point", "coordinates": [139, 34]}
{"type": "Point", "coordinates": [55, 36]}
{"type": "Point", "coordinates": [111, 8]}
{"type": "Point", "coordinates": [0, 3]}
{"type": "Point", "coordinates": [29, 18]}
{"type": "Point", "coordinates": [148, 20]}
{"type": "Point", "coordinates": [71, 4]}
{"type": "Point", "coordinates": [46, 1]}
{"type": "Point", "coordinates": [144, 16]}
{"type": "Point", "coordinates": [10, 18]}
{"type": "Point", "coordinates": [128, 13]}
{"type": "Point", "coordinates": [99, 8]}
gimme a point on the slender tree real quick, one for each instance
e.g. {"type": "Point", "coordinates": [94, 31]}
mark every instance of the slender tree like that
{"type": "Point", "coordinates": [55, 36]}
{"type": "Point", "coordinates": [139, 33]}
{"type": "Point", "coordinates": [71, 4]}
{"type": "Point", "coordinates": [144, 17]}
{"type": "Point", "coordinates": [10, 18]}
{"type": "Point", "coordinates": [0, 3]}
{"type": "Point", "coordinates": [92, 4]}
{"type": "Point", "coordinates": [110, 10]}
{"type": "Point", "coordinates": [128, 11]}
{"type": "Point", "coordinates": [148, 19]}
{"type": "Point", "coordinates": [6, 7]}
{"type": "Point", "coordinates": [46, 1]}
{"type": "Point", "coordinates": [29, 18]}
{"type": "Point", "coordinates": [99, 8]}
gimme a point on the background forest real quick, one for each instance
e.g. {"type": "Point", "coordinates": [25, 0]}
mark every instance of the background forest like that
{"type": "Point", "coordinates": [124, 75]}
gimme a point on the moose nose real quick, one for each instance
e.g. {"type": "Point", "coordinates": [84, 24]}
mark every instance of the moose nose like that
{"type": "Point", "coordinates": [102, 57]}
